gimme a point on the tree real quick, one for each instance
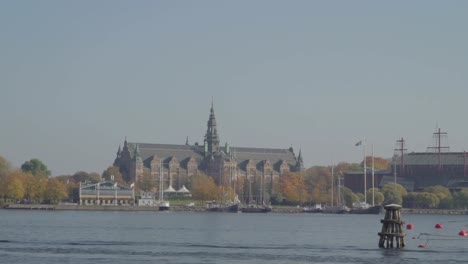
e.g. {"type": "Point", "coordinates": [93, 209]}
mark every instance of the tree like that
{"type": "Point", "coordinates": [317, 180]}
{"type": "Point", "coordinates": [293, 188]}
{"type": "Point", "coordinates": [55, 191]}
{"type": "Point", "coordinates": [146, 182]}
{"type": "Point", "coordinates": [82, 176]}
{"type": "Point", "coordinates": [378, 196]}
{"type": "Point", "coordinates": [349, 197]}
{"type": "Point", "coordinates": [379, 163]}
{"type": "Point", "coordinates": [14, 188]}
{"type": "Point", "coordinates": [113, 171]}
{"type": "Point", "coordinates": [460, 198]}
{"type": "Point", "coordinates": [203, 187]}
{"type": "Point", "coordinates": [440, 191]}
{"type": "Point", "coordinates": [393, 193]}
{"type": "Point", "coordinates": [36, 167]}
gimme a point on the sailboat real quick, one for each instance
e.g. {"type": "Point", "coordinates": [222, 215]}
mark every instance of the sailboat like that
{"type": "Point", "coordinates": [257, 208]}
{"type": "Point", "coordinates": [228, 205]}
{"type": "Point", "coordinates": [363, 207]}
{"type": "Point", "coordinates": [338, 208]}
{"type": "Point", "coordinates": [163, 205]}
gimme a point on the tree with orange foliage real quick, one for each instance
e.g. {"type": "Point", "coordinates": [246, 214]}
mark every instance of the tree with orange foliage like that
{"type": "Point", "coordinates": [203, 187]}
{"type": "Point", "coordinates": [292, 187]}
{"type": "Point", "coordinates": [379, 163]}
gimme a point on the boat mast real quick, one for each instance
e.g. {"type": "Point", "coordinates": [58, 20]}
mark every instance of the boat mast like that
{"type": "Point", "coordinates": [332, 186]}
{"type": "Point", "coordinates": [161, 193]}
{"type": "Point", "coordinates": [373, 204]}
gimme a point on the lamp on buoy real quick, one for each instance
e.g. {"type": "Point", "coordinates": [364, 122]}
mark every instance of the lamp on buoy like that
{"type": "Point", "coordinates": [463, 233]}
{"type": "Point", "coordinates": [438, 226]}
{"type": "Point", "coordinates": [409, 226]}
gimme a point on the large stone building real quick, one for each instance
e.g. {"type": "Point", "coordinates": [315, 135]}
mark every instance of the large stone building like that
{"type": "Point", "coordinates": [224, 163]}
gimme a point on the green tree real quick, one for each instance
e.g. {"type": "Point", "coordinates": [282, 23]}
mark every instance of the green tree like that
{"type": "Point", "coordinates": [349, 197]}
{"type": "Point", "coordinates": [378, 196]}
{"type": "Point", "coordinates": [460, 199]}
{"type": "Point", "coordinates": [82, 176]}
{"type": "Point", "coordinates": [113, 171]}
{"type": "Point", "coordinates": [440, 191]}
{"type": "Point", "coordinates": [393, 193]}
{"type": "Point", "coordinates": [36, 167]}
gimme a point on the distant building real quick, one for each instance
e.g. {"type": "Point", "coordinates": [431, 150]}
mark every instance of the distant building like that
{"type": "Point", "coordinates": [105, 193]}
{"type": "Point", "coordinates": [223, 163]}
{"type": "Point", "coordinates": [146, 199]}
{"type": "Point", "coordinates": [417, 170]}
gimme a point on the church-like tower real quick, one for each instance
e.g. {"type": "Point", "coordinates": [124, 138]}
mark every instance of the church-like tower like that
{"type": "Point", "coordinates": [211, 136]}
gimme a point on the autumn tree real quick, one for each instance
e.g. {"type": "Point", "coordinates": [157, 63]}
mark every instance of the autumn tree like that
{"type": "Point", "coordinates": [36, 167]}
{"type": "Point", "coordinates": [14, 187]}
{"type": "Point", "coordinates": [317, 180]}
{"type": "Point", "coordinates": [203, 187]}
{"type": "Point", "coordinates": [379, 163]}
{"type": "Point", "coordinates": [55, 191]}
{"type": "Point", "coordinates": [293, 188]}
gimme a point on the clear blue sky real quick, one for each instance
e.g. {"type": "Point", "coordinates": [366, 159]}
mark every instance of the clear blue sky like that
{"type": "Point", "coordinates": [76, 77]}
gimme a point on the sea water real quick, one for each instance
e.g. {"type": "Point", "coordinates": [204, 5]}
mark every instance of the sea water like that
{"type": "Point", "coordinates": [188, 237]}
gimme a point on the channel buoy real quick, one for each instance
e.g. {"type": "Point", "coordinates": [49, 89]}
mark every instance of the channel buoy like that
{"type": "Point", "coordinates": [463, 233]}
{"type": "Point", "coordinates": [438, 226]}
{"type": "Point", "coordinates": [409, 226]}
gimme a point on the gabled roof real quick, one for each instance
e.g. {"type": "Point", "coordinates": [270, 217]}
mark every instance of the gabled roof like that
{"type": "Point", "coordinates": [180, 152]}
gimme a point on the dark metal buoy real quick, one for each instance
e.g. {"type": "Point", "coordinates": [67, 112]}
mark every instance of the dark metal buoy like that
{"type": "Point", "coordinates": [392, 235]}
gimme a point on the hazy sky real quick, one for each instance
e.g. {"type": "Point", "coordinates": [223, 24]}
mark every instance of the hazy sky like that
{"type": "Point", "coordinates": [76, 77]}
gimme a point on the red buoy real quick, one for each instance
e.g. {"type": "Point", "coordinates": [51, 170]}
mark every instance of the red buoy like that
{"type": "Point", "coordinates": [463, 233]}
{"type": "Point", "coordinates": [438, 226]}
{"type": "Point", "coordinates": [422, 246]}
{"type": "Point", "coordinates": [409, 226]}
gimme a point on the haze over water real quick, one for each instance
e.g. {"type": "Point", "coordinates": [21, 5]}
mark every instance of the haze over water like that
{"type": "Point", "coordinates": [29, 237]}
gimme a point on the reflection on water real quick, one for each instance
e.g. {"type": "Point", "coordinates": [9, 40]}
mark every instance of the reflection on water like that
{"type": "Point", "coordinates": [149, 237]}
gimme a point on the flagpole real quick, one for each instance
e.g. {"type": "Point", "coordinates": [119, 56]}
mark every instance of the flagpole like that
{"type": "Point", "coordinates": [373, 174]}
{"type": "Point", "coordinates": [365, 171]}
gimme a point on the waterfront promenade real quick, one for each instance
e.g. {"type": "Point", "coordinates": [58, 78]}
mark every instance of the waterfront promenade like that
{"type": "Point", "coordinates": [182, 208]}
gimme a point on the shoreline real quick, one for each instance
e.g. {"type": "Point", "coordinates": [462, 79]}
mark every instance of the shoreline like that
{"type": "Point", "coordinates": [182, 208]}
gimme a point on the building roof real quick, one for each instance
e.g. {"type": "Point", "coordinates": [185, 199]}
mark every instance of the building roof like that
{"type": "Point", "coordinates": [183, 152]}
{"type": "Point", "coordinates": [180, 152]}
{"type": "Point", "coordinates": [431, 158]}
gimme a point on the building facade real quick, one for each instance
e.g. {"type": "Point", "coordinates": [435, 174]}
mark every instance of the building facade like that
{"type": "Point", "coordinates": [177, 163]}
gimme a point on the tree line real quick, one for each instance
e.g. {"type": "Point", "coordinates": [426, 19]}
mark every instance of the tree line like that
{"type": "Point", "coordinates": [32, 184]}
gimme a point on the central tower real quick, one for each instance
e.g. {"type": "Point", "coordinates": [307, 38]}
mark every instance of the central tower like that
{"type": "Point", "coordinates": [211, 142]}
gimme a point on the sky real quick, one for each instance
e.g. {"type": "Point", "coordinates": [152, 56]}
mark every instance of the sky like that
{"type": "Point", "coordinates": [77, 77]}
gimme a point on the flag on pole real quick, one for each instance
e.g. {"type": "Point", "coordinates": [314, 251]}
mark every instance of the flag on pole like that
{"type": "Point", "coordinates": [115, 185]}
{"type": "Point", "coordinates": [358, 144]}
{"type": "Point", "coordinates": [132, 185]}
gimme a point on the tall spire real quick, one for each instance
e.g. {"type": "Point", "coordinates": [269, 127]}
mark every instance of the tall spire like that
{"type": "Point", "coordinates": [136, 153]}
{"type": "Point", "coordinates": [186, 141]}
{"type": "Point", "coordinates": [299, 162]}
{"type": "Point", "coordinates": [211, 136]}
